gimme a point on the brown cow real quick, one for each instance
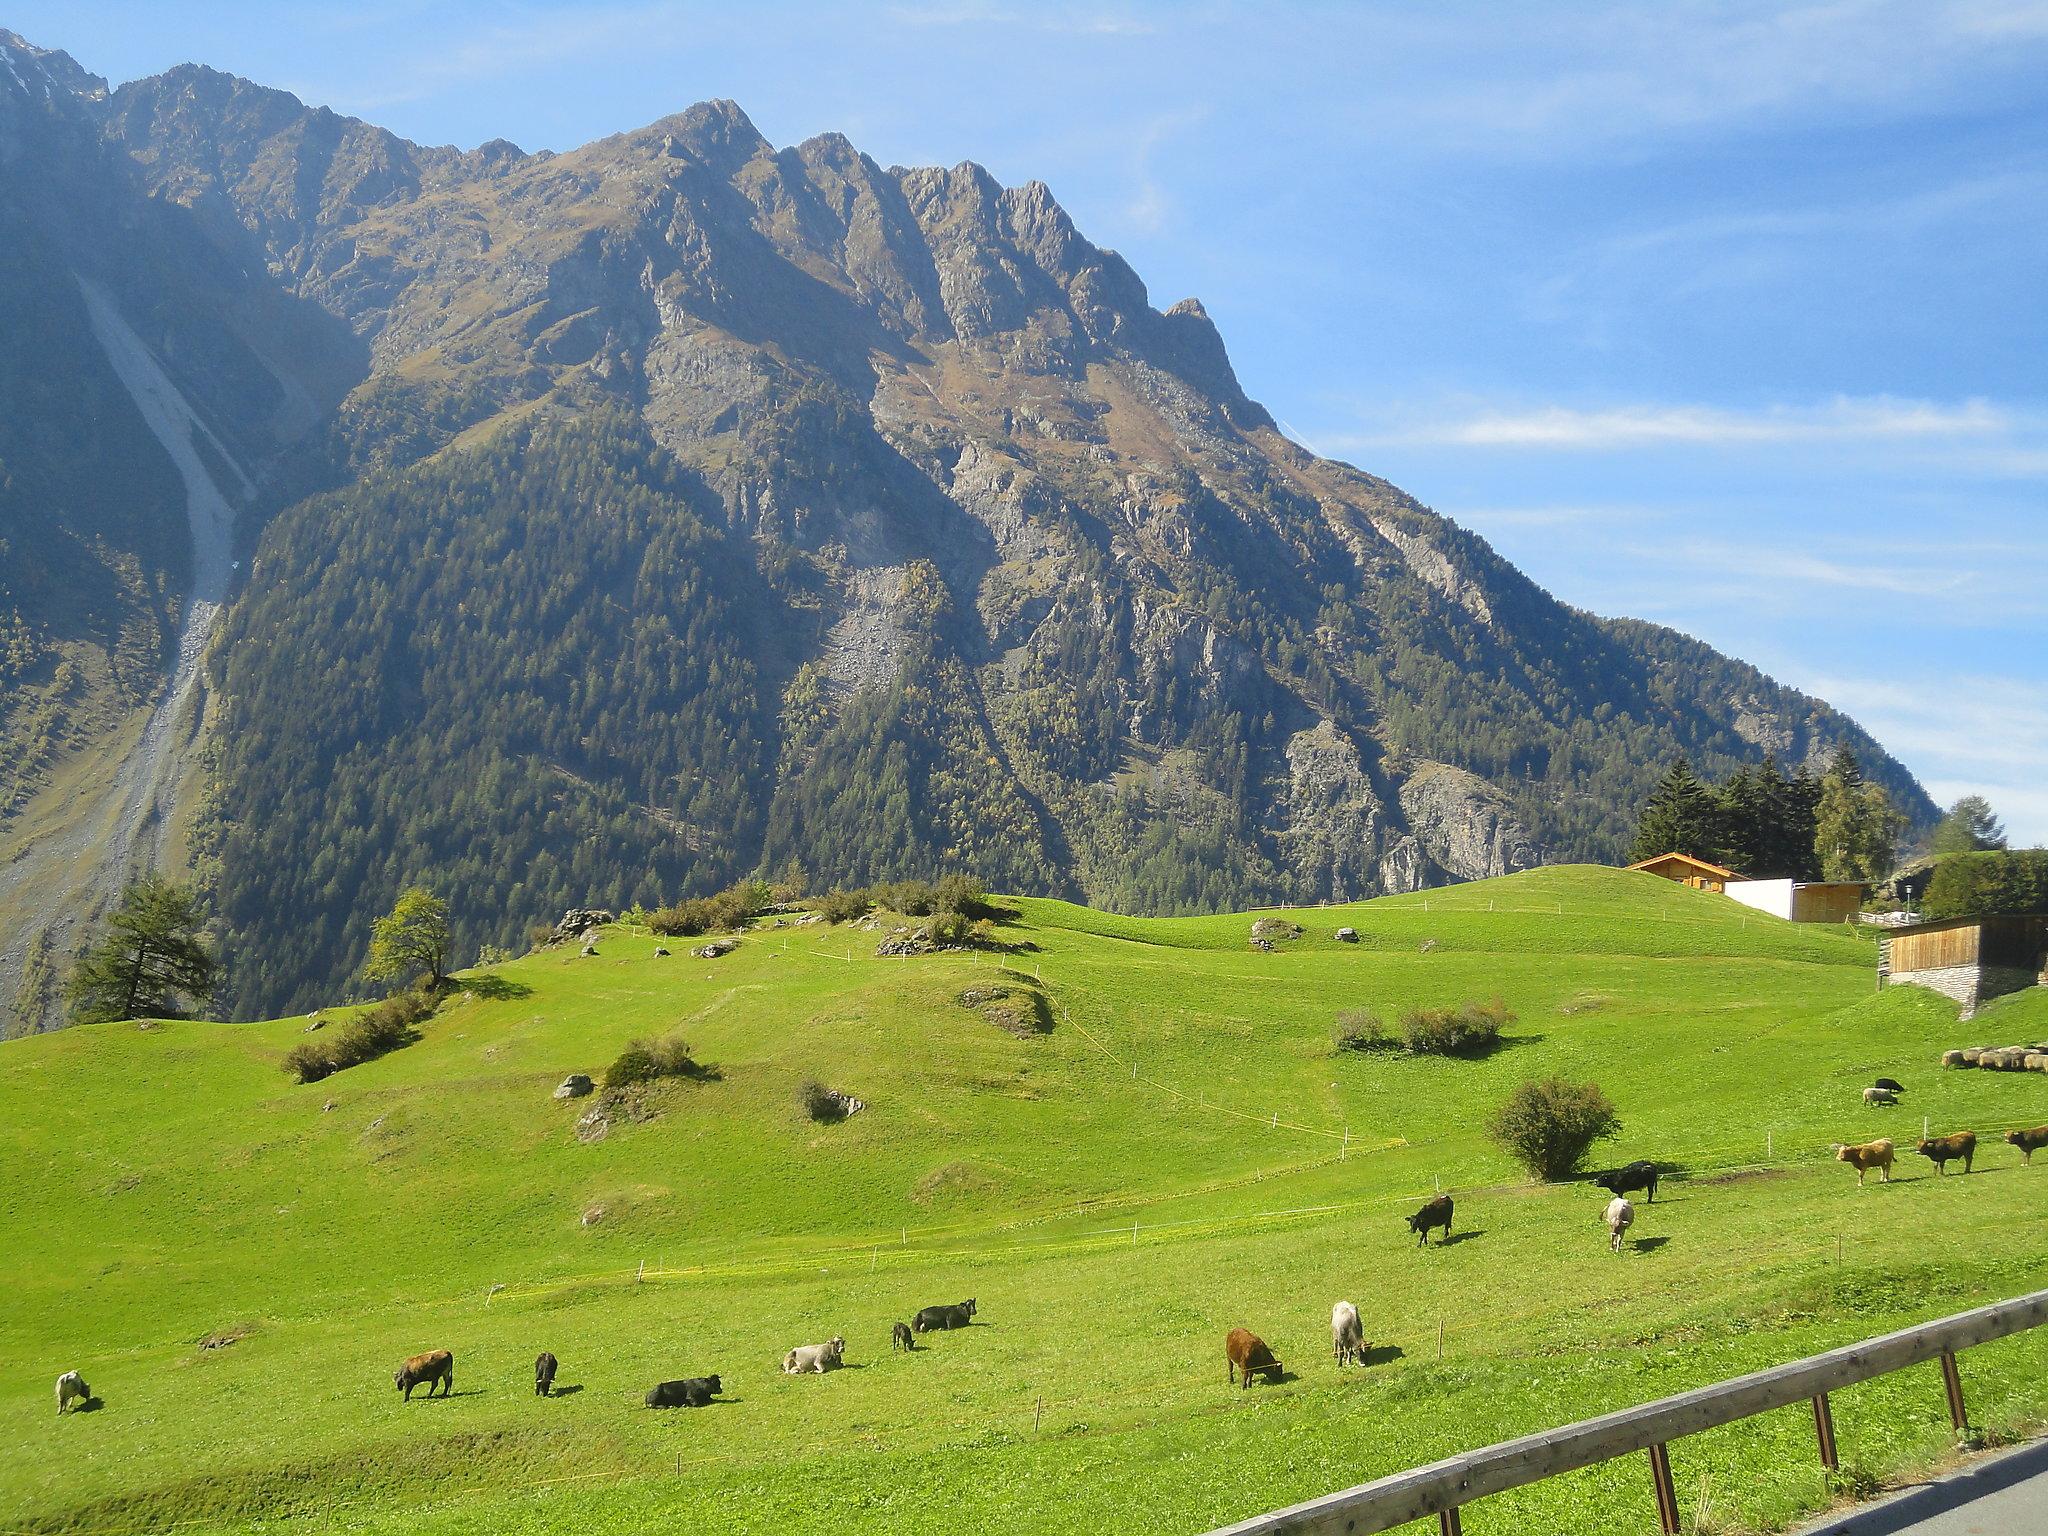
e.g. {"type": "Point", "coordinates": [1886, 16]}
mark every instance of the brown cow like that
{"type": "Point", "coordinates": [1871, 1154]}
{"type": "Point", "coordinates": [2028, 1140]}
{"type": "Point", "coordinates": [1248, 1353]}
{"type": "Point", "coordinates": [1938, 1150]}
{"type": "Point", "coordinates": [435, 1366]}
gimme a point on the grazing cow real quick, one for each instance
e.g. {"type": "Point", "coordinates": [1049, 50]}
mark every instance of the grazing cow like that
{"type": "Point", "coordinates": [818, 1358]}
{"type": "Point", "coordinates": [1347, 1338]}
{"type": "Point", "coordinates": [1871, 1154]}
{"type": "Point", "coordinates": [691, 1392]}
{"type": "Point", "coordinates": [1620, 1217]}
{"type": "Point", "coordinates": [544, 1367]}
{"type": "Point", "coordinates": [1247, 1353]}
{"type": "Point", "coordinates": [1938, 1150]}
{"type": "Point", "coordinates": [1875, 1096]}
{"type": "Point", "coordinates": [900, 1337]}
{"type": "Point", "coordinates": [1437, 1213]}
{"type": "Point", "coordinates": [930, 1318]}
{"type": "Point", "coordinates": [1891, 1085]}
{"type": "Point", "coordinates": [2028, 1140]}
{"type": "Point", "coordinates": [71, 1388]}
{"type": "Point", "coordinates": [1626, 1180]}
{"type": "Point", "coordinates": [436, 1366]}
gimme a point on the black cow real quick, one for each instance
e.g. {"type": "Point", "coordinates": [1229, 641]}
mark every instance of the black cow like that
{"type": "Point", "coordinates": [544, 1368]}
{"type": "Point", "coordinates": [1640, 1174]}
{"type": "Point", "coordinates": [931, 1318]}
{"type": "Point", "coordinates": [1435, 1214]}
{"type": "Point", "coordinates": [691, 1392]}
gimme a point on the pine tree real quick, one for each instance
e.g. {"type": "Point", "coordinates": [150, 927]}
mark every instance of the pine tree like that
{"type": "Point", "coordinates": [153, 961]}
{"type": "Point", "coordinates": [1856, 831]}
{"type": "Point", "coordinates": [1969, 827]}
{"type": "Point", "coordinates": [1679, 817]}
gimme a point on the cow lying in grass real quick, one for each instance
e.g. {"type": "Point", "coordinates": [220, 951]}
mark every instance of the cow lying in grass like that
{"type": "Point", "coordinates": [930, 1319]}
{"type": "Point", "coordinates": [1871, 1154]}
{"type": "Point", "coordinates": [691, 1392]}
{"type": "Point", "coordinates": [1620, 1217]}
{"type": "Point", "coordinates": [2028, 1141]}
{"type": "Point", "coordinates": [1247, 1353]}
{"type": "Point", "coordinates": [1630, 1177]}
{"type": "Point", "coordinates": [1347, 1336]}
{"type": "Point", "coordinates": [1437, 1213]}
{"type": "Point", "coordinates": [1940, 1150]}
{"type": "Point", "coordinates": [815, 1358]}
{"type": "Point", "coordinates": [435, 1368]}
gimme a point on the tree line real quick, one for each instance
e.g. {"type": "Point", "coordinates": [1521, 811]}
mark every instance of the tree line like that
{"type": "Point", "coordinates": [1771, 825]}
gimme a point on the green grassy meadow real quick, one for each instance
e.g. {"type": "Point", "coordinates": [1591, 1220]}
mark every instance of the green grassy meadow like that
{"type": "Point", "coordinates": [1182, 1152]}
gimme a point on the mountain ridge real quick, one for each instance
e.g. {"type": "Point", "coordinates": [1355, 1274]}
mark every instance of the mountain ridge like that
{"type": "Point", "coordinates": [1017, 573]}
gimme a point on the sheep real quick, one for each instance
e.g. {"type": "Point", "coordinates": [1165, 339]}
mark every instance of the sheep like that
{"type": "Point", "coordinates": [1620, 1217]}
{"type": "Point", "coordinates": [2027, 1141]}
{"type": "Point", "coordinates": [1437, 1213]}
{"type": "Point", "coordinates": [1938, 1150]}
{"type": "Point", "coordinates": [1876, 1096]}
{"type": "Point", "coordinates": [818, 1358]}
{"type": "Point", "coordinates": [1869, 1155]}
{"type": "Point", "coordinates": [1347, 1338]}
{"type": "Point", "coordinates": [71, 1388]}
{"type": "Point", "coordinates": [435, 1367]}
{"type": "Point", "coordinates": [1892, 1084]}
{"type": "Point", "coordinates": [1247, 1353]}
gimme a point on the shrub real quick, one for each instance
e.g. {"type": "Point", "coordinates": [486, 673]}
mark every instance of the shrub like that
{"type": "Point", "coordinates": [374, 1032]}
{"type": "Point", "coordinates": [1549, 1126]}
{"type": "Point", "coordinates": [730, 908]}
{"type": "Point", "coordinates": [645, 1061]}
{"type": "Point", "coordinates": [1360, 1029]}
{"type": "Point", "coordinates": [1468, 1031]}
{"type": "Point", "coordinates": [963, 894]}
{"type": "Point", "coordinates": [837, 906]}
{"type": "Point", "coordinates": [820, 1102]}
{"type": "Point", "coordinates": [1982, 884]}
{"type": "Point", "coordinates": [913, 898]}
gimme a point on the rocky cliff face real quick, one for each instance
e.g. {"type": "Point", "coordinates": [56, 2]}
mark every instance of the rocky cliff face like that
{"type": "Point", "coordinates": [1012, 527]}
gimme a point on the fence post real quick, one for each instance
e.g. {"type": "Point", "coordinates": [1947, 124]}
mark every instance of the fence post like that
{"type": "Point", "coordinates": [1447, 1522]}
{"type": "Point", "coordinates": [1824, 1431]}
{"type": "Point", "coordinates": [1667, 1496]}
{"type": "Point", "coordinates": [1952, 1383]}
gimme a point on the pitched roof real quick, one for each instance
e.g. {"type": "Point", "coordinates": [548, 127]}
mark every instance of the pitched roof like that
{"type": "Point", "coordinates": [1688, 858]}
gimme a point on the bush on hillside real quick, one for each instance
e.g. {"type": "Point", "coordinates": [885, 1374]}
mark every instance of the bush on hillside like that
{"type": "Point", "coordinates": [1471, 1030]}
{"type": "Point", "coordinates": [1549, 1126]}
{"type": "Point", "coordinates": [1983, 884]}
{"type": "Point", "coordinates": [647, 1061]}
{"type": "Point", "coordinates": [837, 906]}
{"type": "Point", "coordinates": [1360, 1029]}
{"type": "Point", "coordinates": [731, 908]}
{"type": "Point", "coordinates": [825, 1105]}
{"type": "Point", "coordinates": [372, 1033]}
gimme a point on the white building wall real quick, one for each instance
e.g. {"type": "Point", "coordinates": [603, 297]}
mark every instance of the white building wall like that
{"type": "Point", "coordinates": [1772, 896]}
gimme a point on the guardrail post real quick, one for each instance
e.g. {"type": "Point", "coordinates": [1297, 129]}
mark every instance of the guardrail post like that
{"type": "Point", "coordinates": [1824, 1431]}
{"type": "Point", "coordinates": [1447, 1523]}
{"type": "Point", "coordinates": [1952, 1382]}
{"type": "Point", "coordinates": [1667, 1495]}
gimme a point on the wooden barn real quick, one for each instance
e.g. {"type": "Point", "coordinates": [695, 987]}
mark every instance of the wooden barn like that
{"type": "Point", "coordinates": [1687, 870]}
{"type": "Point", "coordinates": [1971, 959]}
{"type": "Point", "coordinates": [1800, 901]}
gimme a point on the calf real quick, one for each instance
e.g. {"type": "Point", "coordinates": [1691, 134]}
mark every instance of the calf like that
{"type": "Point", "coordinates": [691, 1392]}
{"type": "Point", "coordinates": [1620, 1217]}
{"type": "Point", "coordinates": [1247, 1353]}
{"type": "Point", "coordinates": [435, 1367]}
{"type": "Point", "coordinates": [1938, 1150]}
{"type": "Point", "coordinates": [2028, 1140]}
{"type": "Point", "coordinates": [900, 1337]}
{"type": "Point", "coordinates": [1435, 1214]}
{"type": "Point", "coordinates": [1347, 1338]}
{"type": "Point", "coordinates": [1871, 1154]}
{"type": "Point", "coordinates": [1876, 1096]}
{"type": "Point", "coordinates": [930, 1318]}
{"type": "Point", "coordinates": [1627, 1179]}
{"type": "Point", "coordinates": [815, 1358]}
{"type": "Point", "coordinates": [544, 1368]}
{"type": "Point", "coordinates": [71, 1388]}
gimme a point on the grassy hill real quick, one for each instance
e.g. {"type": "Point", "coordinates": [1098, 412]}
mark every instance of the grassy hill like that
{"type": "Point", "coordinates": [1182, 1151]}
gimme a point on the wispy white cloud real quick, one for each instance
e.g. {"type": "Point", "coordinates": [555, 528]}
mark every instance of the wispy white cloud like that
{"type": "Point", "coordinates": [1635, 426]}
{"type": "Point", "coordinates": [1100, 21]}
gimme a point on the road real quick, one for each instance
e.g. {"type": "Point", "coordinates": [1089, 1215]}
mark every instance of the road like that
{"type": "Point", "coordinates": [2004, 1495]}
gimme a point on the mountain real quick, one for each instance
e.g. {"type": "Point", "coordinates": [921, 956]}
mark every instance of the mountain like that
{"type": "Point", "coordinates": [622, 521]}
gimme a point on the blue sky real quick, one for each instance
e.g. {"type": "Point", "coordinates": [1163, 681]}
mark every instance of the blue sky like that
{"type": "Point", "coordinates": [1732, 316]}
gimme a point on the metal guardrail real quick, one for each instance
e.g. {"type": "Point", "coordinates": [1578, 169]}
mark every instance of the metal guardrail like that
{"type": "Point", "coordinates": [1442, 1487]}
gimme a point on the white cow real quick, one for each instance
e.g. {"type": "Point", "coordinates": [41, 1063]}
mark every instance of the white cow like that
{"type": "Point", "coordinates": [814, 1357]}
{"type": "Point", "coordinates": [1620, 1217]}
{"type": "Point", "coordinates": [1347, 1338]}
{"type": "Point", "coordinates": [71, 1388]}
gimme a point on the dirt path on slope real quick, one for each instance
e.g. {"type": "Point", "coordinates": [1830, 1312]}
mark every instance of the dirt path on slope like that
{"type": "Point", "coordinates": [113, 815]}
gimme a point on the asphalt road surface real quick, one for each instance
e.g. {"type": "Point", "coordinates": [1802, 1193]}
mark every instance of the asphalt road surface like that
{"type": "Point", "coordinates": [2004, 1496]}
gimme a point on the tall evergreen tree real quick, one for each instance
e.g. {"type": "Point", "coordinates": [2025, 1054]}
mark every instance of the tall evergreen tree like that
{"type": "Point", "coordinates": [1679, 817]}
{"type": "Point", "coordinates": [1969, 827]}
{"type": "Point", "coordinates": [153, 961]}
{"type": "Point", "coordinates": [1856, 831]}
